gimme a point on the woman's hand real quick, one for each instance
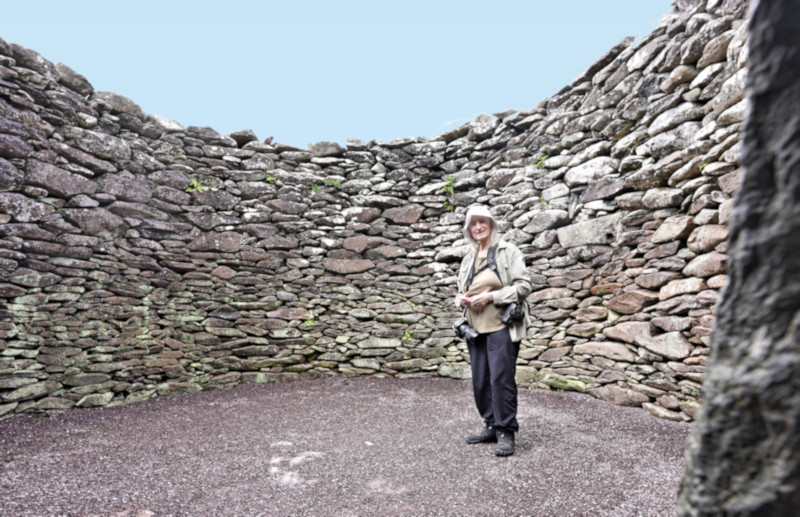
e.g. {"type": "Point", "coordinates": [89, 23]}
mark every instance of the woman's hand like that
{"type": "Point", "coordinates": [479, 301]}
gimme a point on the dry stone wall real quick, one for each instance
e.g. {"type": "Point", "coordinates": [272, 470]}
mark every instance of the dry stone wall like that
{"type": "Point", "coordinates": [141, 258]}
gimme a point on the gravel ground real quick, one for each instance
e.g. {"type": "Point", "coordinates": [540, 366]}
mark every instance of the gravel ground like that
{"type": "Point", "coordinates": [340, 447]}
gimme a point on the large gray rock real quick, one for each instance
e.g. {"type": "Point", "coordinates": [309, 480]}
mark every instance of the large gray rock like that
{"type": "Point", "coordinates": [482, 127]}
{"type": "Point", "coordinates": [615, 351]}
{"type": "Point", "coordinates": [732, 92]}
{"type": "Point", "coordinates": [120, 104]}
{"type": "Point", "coordinates": [223, 241]}
{"type": "Point", "coordinates": [137, 210]}
{"type": "Point", "coordinates": [675, 117]}
{"type": "Point", "coordinates": [629, 331]}
{"type": "Point", "coordinates": [73, 80]}
{"type": "Point", "coordinates": [404, 215]}
{"type": "Point", "coordinates": [705, 238]}
{"type": "Point", "coordinates": [673, 140]}
{"type": "Point", "coordinates": [592, 170]}
{"type": "Point", "coordinates": [716, 50]}
{"type": "Point", "coordinates": [671, 345]}
{"type": "Point", "coordinates": [707, 265]}
{"type": "Point", "coordinates": [619, 396]}
{"type": "Point", "coordinates": [57, 181]}
{"type": "Point", "coordinates": [323, 149]}
{"type": "Point", "coordinates": [743, 455]}
{"type": "Point", "coordinates": [218, 199]}
{"type": "Point", "coordinates": [127, 188]}
{"type": "Point", "coordinates": [164, 124]}
{"type": "Point", "coordinates": [31, 59]}
{"type": "Point", "coordinates": [662, 198]}
{"type": "Point", "coordinates": [682, 286]}
{"type": "Point", "coordinates": [10, 176]}
{"type": "Point", "coordinates": [31, 391]}
{"type": "Point", "coordinates": [677, 227]}
{"type": "Point", "coordinates": [632, 302]}
{"type": "Point", "coordinates": [97, 222]}
{"type": "Point", "coordinates": [346, 267]}
{"type": "Point", "coordinates": [602, 230]}
{"type": "Point", "coordinates": [679, 75]}
{"type": "Point", "coordinates": [14, 147]}
{"type": "Point", "coordinates": [30, 278]}
{"type": "Point", "coordinates": [22, 208]}
{"type": "Point", "coordinates": [100, 144]}
{"type": "Point", "coordinates": [542, 220]}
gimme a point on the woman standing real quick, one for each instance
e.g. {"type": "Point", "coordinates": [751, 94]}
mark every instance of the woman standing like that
{"type": "Point", "coordinates": [493, 276]}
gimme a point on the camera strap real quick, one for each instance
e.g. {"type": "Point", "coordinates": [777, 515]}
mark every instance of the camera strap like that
{"type": "Point", "coordinates": [491, 263]}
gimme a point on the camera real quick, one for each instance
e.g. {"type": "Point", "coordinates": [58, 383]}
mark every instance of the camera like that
{"type": "Point", "coordinates": [512, 313]}
{"type": "Point", "coordinates": [462, 329]}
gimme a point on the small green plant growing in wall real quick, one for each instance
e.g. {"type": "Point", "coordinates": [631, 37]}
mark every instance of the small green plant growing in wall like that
{"type": "Point", "coordinates": [448, 186]}
{"type": "Point", "coordinates": [448, 189]}
{"type": "Point", "coordinates": [269, 178]}
{"type": "Point", "coordinates": [540, 163]}
{"type": "Point", "coordinates": [407, 335]}
{"type": "Point", "coordinates": [195, 186]}
{"type": "Point", "coordinates": [702, 166]}
{"type": "Point", "coordinates": [327, 182]}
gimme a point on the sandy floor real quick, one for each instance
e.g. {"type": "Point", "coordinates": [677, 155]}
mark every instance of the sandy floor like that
{"type": "Point", "coordinates": [340, 448]}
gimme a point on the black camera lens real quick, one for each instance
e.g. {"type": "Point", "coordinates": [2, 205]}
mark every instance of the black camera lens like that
{"type": "Point", "coordinates": [462, 329]}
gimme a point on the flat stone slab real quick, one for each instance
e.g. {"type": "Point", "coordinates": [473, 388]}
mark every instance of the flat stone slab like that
{"type": "Point", "coordinates": [340, 447]}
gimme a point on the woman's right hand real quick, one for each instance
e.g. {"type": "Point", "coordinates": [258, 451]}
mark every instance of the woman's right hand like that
{"type": "Point", "coordinates": [480, 301]}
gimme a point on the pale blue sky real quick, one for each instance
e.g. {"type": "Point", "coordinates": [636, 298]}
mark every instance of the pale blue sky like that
{"type": "Point", "coordinates": [306, 70]}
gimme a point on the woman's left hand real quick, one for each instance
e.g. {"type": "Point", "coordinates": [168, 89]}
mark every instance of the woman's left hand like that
{"type": "Point", "coordinates": [479, 301]}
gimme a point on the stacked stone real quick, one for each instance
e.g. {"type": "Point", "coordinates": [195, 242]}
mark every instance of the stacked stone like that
{"type": "Point", "coordinates": [139, 257]}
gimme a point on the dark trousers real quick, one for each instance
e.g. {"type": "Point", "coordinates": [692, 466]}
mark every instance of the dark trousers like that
{"type": "Point", "coordinates": [494, 358]}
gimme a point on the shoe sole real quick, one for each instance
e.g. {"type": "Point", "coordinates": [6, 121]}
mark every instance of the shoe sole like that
{"type": "Point", "coordinates": [473, 442]}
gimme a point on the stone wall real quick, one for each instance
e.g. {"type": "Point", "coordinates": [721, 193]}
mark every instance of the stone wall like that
{"type": "Point", "coordinates": [140, 258]}
{"type": "Point", "coordinates": [743, 455]}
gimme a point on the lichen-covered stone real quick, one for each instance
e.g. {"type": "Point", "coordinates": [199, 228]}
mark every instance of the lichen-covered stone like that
{"type": "Point", "coordinates": [677, 227]}
{"type": "Point", "coordinates": [592, 170]}
{"type": "Point", "coordinates": [31, 391]}
{"type": "Point", "coordinates": [671, 345]}
{"type": "Point", "coordinates": [23, 209]}
{"type": "Point", "coordinates": [619, 396]}
{"type": "Point", "coordinates": [225, 241]}
{"type": "Point", "coordinates": [560, 382]}
{"type": "Point", "coordinates": [632, 302]}
{"type": "Point", "coordinates": [615, 351]}
{"type": "Point", "coordinates": [346, 267]}
{"type": "Point", "coordinates": [596, 231]}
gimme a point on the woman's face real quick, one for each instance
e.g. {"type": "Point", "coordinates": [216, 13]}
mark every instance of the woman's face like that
{"type": "Point", "coordinates": [480, 228]}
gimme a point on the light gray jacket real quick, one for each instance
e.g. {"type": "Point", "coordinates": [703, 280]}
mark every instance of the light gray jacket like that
{"type": "Point", "coordinates": [516, 282]}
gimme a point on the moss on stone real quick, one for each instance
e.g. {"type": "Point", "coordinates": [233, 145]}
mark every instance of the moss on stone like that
{"type": "Point", "coordinates": [559, 382]}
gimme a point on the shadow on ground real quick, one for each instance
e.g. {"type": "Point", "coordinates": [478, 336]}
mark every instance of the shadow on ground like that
{"type": "Point", "coordinates": [340, 447]}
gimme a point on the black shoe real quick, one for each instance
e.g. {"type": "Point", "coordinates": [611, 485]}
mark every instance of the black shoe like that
{"type": "Point", "coordinates": [486, 436]}
{"type": "Point", "coordinates": [505, 443]}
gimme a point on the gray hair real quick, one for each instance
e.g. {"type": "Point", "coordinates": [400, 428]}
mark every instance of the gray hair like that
{"type": "Point", "coordinates": [494, 233]}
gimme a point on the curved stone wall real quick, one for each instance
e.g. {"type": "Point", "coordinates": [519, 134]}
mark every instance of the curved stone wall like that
{"type": "Point", "coordinates": [140, 258]}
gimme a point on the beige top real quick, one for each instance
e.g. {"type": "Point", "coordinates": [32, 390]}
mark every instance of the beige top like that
{"type": "Point", "coordinates": [487, 319]}
{"type": "Point", "coordinates": [516, 282]}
